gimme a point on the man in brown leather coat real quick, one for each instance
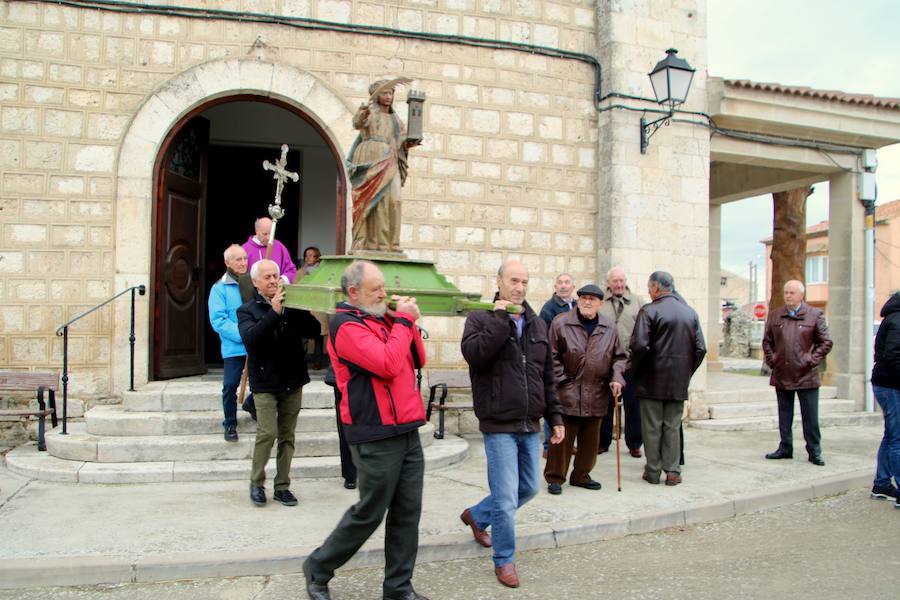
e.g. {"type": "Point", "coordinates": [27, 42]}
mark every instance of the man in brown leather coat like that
{"type": "Point", "coordinates": [588, 362]}
{"type": "Point", "coordinates": [666, 348]}
{"type": "Point", "coordinates": [795, 342]}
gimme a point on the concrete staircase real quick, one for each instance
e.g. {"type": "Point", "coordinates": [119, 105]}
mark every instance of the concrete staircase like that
{"type": "Point", "coordinates": [172, 431]}
{"type": "Point", "coordinates": [756, 409]}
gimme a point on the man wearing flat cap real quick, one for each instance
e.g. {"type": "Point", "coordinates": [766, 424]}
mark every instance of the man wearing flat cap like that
{"type": "Point", "coordinates": [588, 365]}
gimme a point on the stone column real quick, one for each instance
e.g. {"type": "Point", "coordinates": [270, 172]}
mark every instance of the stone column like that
{"type": "Point", "coordinates": [846, 289]}
{"type": "Point", "coordinates": [653, 208]}
{"type": "Point", "coordinates": [713, 330]}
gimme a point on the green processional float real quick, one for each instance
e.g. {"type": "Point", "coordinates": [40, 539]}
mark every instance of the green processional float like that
{"type": "Point", "coordinates": [377, 167]}
{"type": "Point", "coordinates": [436, 296]}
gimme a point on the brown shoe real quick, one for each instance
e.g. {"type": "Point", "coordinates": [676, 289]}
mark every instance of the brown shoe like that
{"type": "Point", "coordinates": [481, 536]}
{"type": "Point", "coordinates": [507, 575]}
{"type": "Point", "coordinates": [647, 478]}
{"type": "Point", "coordinates": [635, 452]}
{"type": "Point", "coordinates": [673, 478]}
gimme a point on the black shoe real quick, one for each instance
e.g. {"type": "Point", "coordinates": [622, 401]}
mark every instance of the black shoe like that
{"type": "Point", "coordinates": [880, 492]}
{"type": "Point", "coordinates": [315, 591]}
{"type": "Point", "coordinates": [555, 489]}
{"type": "Point", "coordinates": [350, 485]}
{"type": "Point", "coordinates": [258, 495]}
{"type": "Point", "coordinates": [285, 497]}
{"type": "Point", "coordinates": [231, 434]}
{"type": "Point", "coordinates": [590, 484]}
{"type": "Point", "coordinates": [779, 454]}
{"type": "Point", "coordinates": [410, 595]}
{"type": "Point", "coordinates": [817, 460]}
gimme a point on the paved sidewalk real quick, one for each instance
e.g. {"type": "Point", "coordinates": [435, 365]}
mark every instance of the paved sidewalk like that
{"type": "Point", "coordinates": [68, 534]}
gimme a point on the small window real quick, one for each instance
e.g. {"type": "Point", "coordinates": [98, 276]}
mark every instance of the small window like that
{"type": "Point", "coordinates": [817, 269]}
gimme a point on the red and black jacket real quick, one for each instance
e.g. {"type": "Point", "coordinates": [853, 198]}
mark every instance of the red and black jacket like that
{"type": "Point", "coordinates": [374, 360]}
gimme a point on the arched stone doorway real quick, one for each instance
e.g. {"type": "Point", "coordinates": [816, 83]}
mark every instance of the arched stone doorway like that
{"type": "Point", "coordinates": [210, 88]}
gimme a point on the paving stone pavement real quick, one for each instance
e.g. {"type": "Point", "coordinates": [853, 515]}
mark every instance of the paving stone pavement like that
{"type": "Point", "coordinates": [69, 534]}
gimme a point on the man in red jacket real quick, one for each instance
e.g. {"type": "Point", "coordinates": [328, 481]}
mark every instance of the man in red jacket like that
{"type": "Point", "coordinates": [374, 352]}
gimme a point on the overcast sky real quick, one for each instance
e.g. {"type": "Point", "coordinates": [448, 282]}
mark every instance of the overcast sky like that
{"type": "Point", "coordinates": [825, 44]}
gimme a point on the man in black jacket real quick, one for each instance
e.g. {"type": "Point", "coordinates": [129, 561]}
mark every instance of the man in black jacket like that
{"type": "Point", "coordinates": [511, 369]}
{"type": "Point", "coordinates": [886, 386]}
{"type": "Point", "coordinates": [273, 338]}
{"type": "Point", "coordinates": [666, 348]}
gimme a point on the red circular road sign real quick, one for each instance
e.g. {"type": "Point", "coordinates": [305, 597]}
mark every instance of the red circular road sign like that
{"type": "Point", "coordinates": [759, 310]}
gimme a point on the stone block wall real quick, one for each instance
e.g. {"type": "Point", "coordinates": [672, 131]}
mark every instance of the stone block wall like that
{"type": "Point", "coordinates": [509, 167]}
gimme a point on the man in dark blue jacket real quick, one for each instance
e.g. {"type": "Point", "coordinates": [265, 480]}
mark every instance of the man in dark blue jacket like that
{"type": "Point", "coordinates": [273, 337]}
{"type": "Point", "coordinates": [886, 385]}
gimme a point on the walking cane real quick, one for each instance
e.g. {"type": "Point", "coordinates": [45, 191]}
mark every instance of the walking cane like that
{"type": "Point", "coordinates": [617, 399]}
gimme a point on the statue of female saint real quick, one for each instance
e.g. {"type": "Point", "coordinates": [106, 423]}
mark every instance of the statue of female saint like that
{"type": "Point", "coordinates": [378, 167]}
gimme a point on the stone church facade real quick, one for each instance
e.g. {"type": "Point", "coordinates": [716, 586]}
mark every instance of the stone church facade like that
{"type": "Point", "coordinates": [520, 160]}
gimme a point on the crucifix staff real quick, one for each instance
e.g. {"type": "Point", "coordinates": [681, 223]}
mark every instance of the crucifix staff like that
{"type": "Point", "coordinates": [280, 174]}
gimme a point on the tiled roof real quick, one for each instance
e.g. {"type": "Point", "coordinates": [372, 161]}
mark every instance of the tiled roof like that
{"type": "Point", "coordinates": [808, 92]}
{"type": "Point", "coordinates": [883, 212]}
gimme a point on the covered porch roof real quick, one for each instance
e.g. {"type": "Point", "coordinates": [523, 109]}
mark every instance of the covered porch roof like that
{"type": "Point", "coordinates": [769, 137]}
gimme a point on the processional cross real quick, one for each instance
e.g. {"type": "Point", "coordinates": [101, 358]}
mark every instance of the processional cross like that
{"type": "Point", "coordinates": [280, 174]}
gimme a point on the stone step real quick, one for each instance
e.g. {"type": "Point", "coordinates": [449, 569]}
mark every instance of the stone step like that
{"type": "Point", "coordinates": [177, 395]}
{"type": "Point", "coordinates": [116, 421]}
{"type": "Point", "coordinates": [826, 392]}
{"type": "Point", "coordinates": [771, 423]}
{"type": "Point", "coordinates": [28, 462]}
{"type": "Point", "coordinates": [734, 410]}
{"type": "Point", "coordinates": [79, 445]}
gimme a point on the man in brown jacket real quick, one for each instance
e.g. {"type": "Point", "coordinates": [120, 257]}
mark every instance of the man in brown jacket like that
{"type": "Point", "coordinates": [795, 342]}
{"type": "Point", "coordinates": [666, 348]}
{"type": "Point", "coordinates": [588, 362]}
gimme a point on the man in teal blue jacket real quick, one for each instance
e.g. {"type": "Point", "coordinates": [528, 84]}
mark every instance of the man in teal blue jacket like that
{"type": "Point", "coordinates": [224, 300]}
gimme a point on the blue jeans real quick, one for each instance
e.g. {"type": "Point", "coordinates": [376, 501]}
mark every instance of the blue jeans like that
{"type": "Point", "coordinates": [888, 463]}
{"type": "Point", "coordinates": [234, 366]}
{"type": "Point", "coordinates": [513, 469]}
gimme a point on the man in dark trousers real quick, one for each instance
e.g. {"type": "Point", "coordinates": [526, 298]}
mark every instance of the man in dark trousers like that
{"type": "Point", "coordinates": [667, 346]}
{"type": "Point", "coordinates": [622, 305]}
{"type": "Point", "coordinates": [886, 386]}
{"type": "Point", "coordinates": [374, 352]}
{"type": "Point", "coordinates": [273, 337]}
{"type": "Point", "coordinates": [796, 340]}
{"type": "Point", "coordinates": [562, 300]}
{"type": "Point", "coordinates": [511, 369]}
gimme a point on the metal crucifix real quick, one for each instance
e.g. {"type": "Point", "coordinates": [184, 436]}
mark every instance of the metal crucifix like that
{"type": "Point", "coordinates": [279, 174]}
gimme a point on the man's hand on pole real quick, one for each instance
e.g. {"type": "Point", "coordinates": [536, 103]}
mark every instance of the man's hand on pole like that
{"type": "Point", "coordinates": [407, 305]}
{"type": "Point", "coordinates": [278, 299]}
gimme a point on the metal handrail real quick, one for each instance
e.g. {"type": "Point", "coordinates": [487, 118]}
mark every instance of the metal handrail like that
{"type": "Point", "coordinates": [63, 330]}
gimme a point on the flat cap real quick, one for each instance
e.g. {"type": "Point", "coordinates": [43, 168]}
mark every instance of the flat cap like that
{"type": "Point", "coordinates": [590, 290]}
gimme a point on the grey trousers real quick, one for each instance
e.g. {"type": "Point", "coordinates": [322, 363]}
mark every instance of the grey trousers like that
{"type": "Point", "coordinates": [660, 424]}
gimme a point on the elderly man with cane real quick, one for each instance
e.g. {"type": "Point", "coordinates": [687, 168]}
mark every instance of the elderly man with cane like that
{"type": "Point", "coordinates": [588, 362]}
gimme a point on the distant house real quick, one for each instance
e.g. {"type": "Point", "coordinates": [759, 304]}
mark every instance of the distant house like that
{"type": "Point", "coordinates": [734, 291]}
{"type": "Point", "coordinates": [887, 258]}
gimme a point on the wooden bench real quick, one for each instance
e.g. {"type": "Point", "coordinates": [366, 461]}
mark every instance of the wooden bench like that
{"type": "Point", "coordinates": [445, 380]}
{"type": "Point", "coordinates": [39, 382]}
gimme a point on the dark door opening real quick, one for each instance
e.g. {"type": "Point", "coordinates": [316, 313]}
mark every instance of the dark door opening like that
{"type": "Point", "coordinates": [240, 191]}
{"type": "Point", "coordinates": [201, 212]}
